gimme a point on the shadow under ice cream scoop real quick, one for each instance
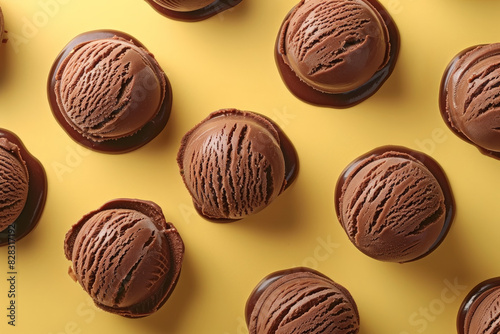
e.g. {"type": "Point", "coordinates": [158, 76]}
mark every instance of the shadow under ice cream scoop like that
{"type": "Point", "coordinates": [336, 52]}
{"type": "Point", "coordinates": [108, 92]}
{"type": "Point", "coordinates": [479, 312]}
{"type": "Point", "coordinates": [23, 188]}
{"type": "Point", "coordinates": [470, 97]}
{"type": "Point", "coordinates": [191, 10]}
{"type": "Point", "coordinates": [395, 204]}
{"type": "Point", "coordinates": [126, 256]}
{"type": "Point", "coordinates": [301, 300]}
{"type": "Point", "coordinates": [235, 163]}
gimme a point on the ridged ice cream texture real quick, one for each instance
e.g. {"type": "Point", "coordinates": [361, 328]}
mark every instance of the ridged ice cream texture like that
{"type": "Point", "coordinates": [484, 317]}
{"type": "Point", "coordinates": [14, 184]}
{"type": "Point", "coordinates": [335, 46]}
{"type": "Point", "coordinates": [232, 164]}
{"type": "Point", "coordinates": [473, 99]}
{"type": "Point", "coordinates": [392, 207]}
{"type": "Point", "coordinates": [121, 258]}
{"type": "Point", "coordinates": [304, 302]}
{"type": "Point", "coordinates": [184, 5]}
{"type": "Point", "coordinates": [109, 88]}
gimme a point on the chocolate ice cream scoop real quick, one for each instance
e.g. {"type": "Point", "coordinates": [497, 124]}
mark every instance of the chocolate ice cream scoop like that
{"type": "Point", "coordinates": [470, 97]}
{"type": "Point", "coordinates": [235, 163]}
{"type": "Point", "coordinates": [479, 312]}
{"type": "Point", "coordinates": [191, 10]}
{"type": "Point", "coordinates": [301, 300]}
{"type": "Point", "coordinates": [336, 52]}
{"type": "Point", "coordinates": [108, 92]}
{"type": "Point", "coordinates": [126, 256]}
{"type": "Point", "coordinates": [13, 183]}
{"type": "Point", "coordinates": [395, 204]}
{"type": "Point", "coordinates": [23, 189]}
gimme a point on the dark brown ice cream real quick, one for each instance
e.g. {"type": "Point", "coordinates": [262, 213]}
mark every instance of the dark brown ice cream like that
{"type": "Point", "coordinates": [395, 204]}
{"type": "Point", "coordinates": [108, 92]}
{"type": "Point", "coordinates": [126, 256]}
{"type": "Point", "coordinates": [301, 300]}
{"type": "Point", "coordinates": [13, 183]}
{"type": "Point", "coordinates": [479, 312]}
{"type": "Point", "coordinates": [235, 163]}
{"type": "Point", "coordinates": [337, 47]}
{"type": "Point", "coordinates": [470, 97]}
{"type": "Point", "coordinates": [191, 10]}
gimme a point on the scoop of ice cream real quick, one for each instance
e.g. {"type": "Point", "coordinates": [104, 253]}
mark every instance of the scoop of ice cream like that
{"type": "Point", "coordinates": [392, 207]}
{"type": "Point", "coordinates": [109, 88]}
{"type": "Point", "coordinates": [472, 96]}
{"type": "Point", "coordinates": [184, 5]}
{"type": "Point", "coordinates": [484, 318]}
{"type": "Point", "coordinates": [126, 257]}
{"type": "Point", "coordinates": [334, 46]}
{"type": "Point", "coordinates": [479, 312]}
{"type": "Point", "coordinates": [13, 183]}
{"type": "Point", "coordinates": [232, 164]}
{"type": "Point", "coordinates": [301, 300]}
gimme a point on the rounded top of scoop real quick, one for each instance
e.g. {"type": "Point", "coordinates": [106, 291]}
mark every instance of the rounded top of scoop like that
{"type": "Point", "coordinates": [109, 88]}
{"type": "Point", "coordinates": [335, 46]}
{"type": "Point", "coordinates": [125, 256]}
{"type": "Point", "coordinates": [471, 96]}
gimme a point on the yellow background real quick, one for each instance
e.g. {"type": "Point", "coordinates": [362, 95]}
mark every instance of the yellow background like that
{"type": "Point", "coordinates": [227, 61]}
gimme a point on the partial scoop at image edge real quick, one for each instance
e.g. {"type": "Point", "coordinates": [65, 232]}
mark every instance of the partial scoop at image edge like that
{"type": "Point", "coordinates": [300, 300]}
{"type": "Point", "coordinates": [32, 184]}
{"type": "Point", "coordinates": [479, 311]}
{"type": "Point", "coordinates": [191, 10]}
{"type": "Point", "coordinates": [469, 97]}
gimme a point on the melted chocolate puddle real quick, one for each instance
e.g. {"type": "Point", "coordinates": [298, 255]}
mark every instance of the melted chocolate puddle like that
{"type": "Point", "coordinates": [431, 164]}
{"type": "Point", "coordinates": [342, 100]}
{"type": "Point", "coordinates": [121, 145]}
{"type": "Point", "coordinates": [37, 193]}
{"type": "Point", "coordinates": [214, 8]}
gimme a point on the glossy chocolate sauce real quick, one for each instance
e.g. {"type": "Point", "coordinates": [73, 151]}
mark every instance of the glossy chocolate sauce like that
{"type": "Point", "coordinates": [175, 244]}
{"type": "Point", "coordinates": [431, 164]}
{"type": "Point", "coordinates": [214, 8]}
{"type": "Point", "coordinates": [267, 281]}
{"type": "Point", "coordinates": [291, 166]}
{"type": "Point", "coordinates": [473, 298]}
{"type": "Point", "coordinates": [37, 192]}
{"type": "Point", "coordinates": [443, 93]}
{"type": "Point", "coordinates": [348, 99]}
{"type": "Point", "coordinates": [121, 145]}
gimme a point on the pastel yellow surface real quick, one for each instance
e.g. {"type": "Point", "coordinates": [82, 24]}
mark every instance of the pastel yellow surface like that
{"type": "Point", "coordinates": [227, 61]}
